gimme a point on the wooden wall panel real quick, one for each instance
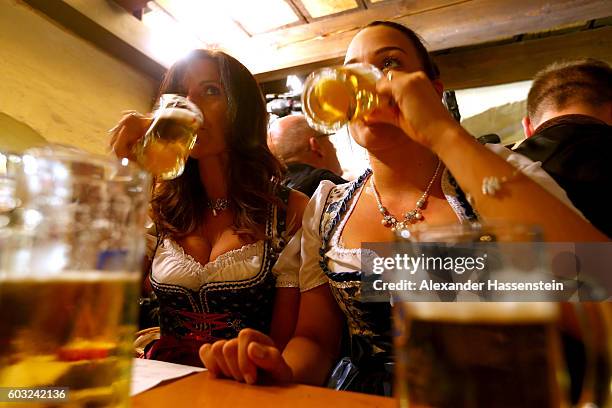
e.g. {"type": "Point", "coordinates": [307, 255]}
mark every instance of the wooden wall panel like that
{"type": "Point", "coordinates": [63, 87]}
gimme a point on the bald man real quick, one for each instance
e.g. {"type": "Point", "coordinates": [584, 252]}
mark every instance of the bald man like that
{"type": "Point", "coordinates": [309, 155]}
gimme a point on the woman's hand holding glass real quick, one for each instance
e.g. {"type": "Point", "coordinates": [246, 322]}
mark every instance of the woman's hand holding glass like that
{"type": "Point", "coordinates": [241, 358]}
{"type": "Point", "coordinates": [130, 128]}
{"type": "Point", "coordinates": [416, 108]}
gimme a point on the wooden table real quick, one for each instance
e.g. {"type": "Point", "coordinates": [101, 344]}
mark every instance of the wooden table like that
{"type": "Point", "coordinates": [201, 390]}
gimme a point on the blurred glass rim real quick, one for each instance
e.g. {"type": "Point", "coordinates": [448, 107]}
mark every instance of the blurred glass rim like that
{"type": "Point", "coordinates": [79, 163]}
{"type": "Point", "coordinates": [498, 230]}
{"type": "Point", "coordinates": [340, 71]}
{"type": "Point", "coordinates": [174, 100]}
{"type": "Point", "coordinates": [8, 159]}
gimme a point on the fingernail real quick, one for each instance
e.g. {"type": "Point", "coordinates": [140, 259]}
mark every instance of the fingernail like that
{"type": "Point", "coordinates": [258, 351]}
{"type": "Point", "coordinates": [204, 348]}
{"type": "Point", "coordinates": [249, 379]}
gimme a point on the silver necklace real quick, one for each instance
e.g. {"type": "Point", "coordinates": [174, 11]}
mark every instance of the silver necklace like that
{"type": "Point", "coordinates": [218, 204]}
{"type": "Point", "coordinates": [412, 216]}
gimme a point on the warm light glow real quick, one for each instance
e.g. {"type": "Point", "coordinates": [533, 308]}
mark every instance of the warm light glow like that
{"type": "Point", "coordinates": [294, 84]}
{"type": "Point", "coordinates": [32, 218]}
{"type": "Point", "coordinates": [320, 8]}
{"type": "Point", "coordinates": [261, 15]}
{"type": "Point", "coordinates": [3, 165]}
{"type": "Point", "coordinates": [60, 172]}
{"type": "Point", "coordinates": [208, 20]}
{"type": "Point", "coordinates": [30, 166]}
{"type": "Point", "coordinates": [169, 40]}
{"type": "Point", "coordinates": [179, 26]}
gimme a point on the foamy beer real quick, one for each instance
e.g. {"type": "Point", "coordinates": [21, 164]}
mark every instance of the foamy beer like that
{"type": "Point", "coordinates": [167, 143]}
{"type": "Point", "coordinates": [333, 97]}
{"type": "Point", "coordinates": [70, 256]}
{"type": "Point", "coordinates": [479, 355]}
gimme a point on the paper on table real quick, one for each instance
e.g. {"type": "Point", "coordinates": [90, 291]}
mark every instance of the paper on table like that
{"type": "Point", "coordinates": [147, 374]}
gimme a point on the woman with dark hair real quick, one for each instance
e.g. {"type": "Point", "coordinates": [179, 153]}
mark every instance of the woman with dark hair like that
{"type": "Point", "coordinates": [414, 145]}
{"type": "Point", "coordinates": [223, 223]}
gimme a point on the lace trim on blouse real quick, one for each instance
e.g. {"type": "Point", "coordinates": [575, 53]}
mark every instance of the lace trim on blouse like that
{"type": "Point", "coordinates": [174, 266]}
{"type": "Point", "coordinates": [224, 260]}
{"type": "Point", "coordinates": [336, 242]}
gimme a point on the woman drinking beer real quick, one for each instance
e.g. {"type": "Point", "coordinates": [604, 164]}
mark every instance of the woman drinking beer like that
{"type": "Point", "coordinates": [414, 146]}
{"type": "Point", "coordinates": [222, 224]}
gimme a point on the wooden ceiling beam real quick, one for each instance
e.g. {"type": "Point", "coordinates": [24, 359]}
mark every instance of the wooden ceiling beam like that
{"type": "Point", "coordinates": [520, 61]}
{"type": "Point", "coordinates": [132, 5]}
{"type": "Point", "coordinates": [362, 4]}
{"type": "Point", "coordinates": [442, 24]}
{"type": "Point", "coordinates": [300, 70]}
{"type": "Point", "coordinates": [299, 10]}
{"type": "Point", "coordinates": [495, 64]}
{"type": "Point", "coordinates": [350, 21]}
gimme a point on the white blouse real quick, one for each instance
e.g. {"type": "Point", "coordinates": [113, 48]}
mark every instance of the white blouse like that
{"type": "Point", "coordinates": [171, 265]}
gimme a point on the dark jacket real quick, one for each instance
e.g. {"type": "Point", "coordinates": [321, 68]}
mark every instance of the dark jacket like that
{"type": "Point", "coordinates": [576, 150]}
{"type": "Point", "coordinates": [306, 178]}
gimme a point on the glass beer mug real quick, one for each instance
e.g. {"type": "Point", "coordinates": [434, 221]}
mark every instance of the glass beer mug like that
{"type": "Point", "coordinates": [333, 97]}
{"type": "Point", "coordinates": [473, 353]}
{"type": "Point", "coordinates": [165, 147]}
{"type": "Point", "coordinates": [71, 249]}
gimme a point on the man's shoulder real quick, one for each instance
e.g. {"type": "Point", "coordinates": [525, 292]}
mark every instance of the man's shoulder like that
{"type": "Point", "coordinates": [299, 167]}
{"type": "Point", "coordinates": [306, 178]}
{"type": "Point", "coordinates": [589, 139]}
{"type": "Point", "coordinates": [315, 173]}
{"type": "Point", "coordinates": [325, 174]}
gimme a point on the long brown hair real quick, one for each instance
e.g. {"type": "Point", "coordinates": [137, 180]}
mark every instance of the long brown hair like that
{"type": "Point", "coordinates": [178, 205]}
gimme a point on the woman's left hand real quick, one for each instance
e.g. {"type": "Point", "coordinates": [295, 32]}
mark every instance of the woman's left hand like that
{"type": "Point", "coordinates": [419, 111]}
{"type": "Point", "coordinates": [245, 357]}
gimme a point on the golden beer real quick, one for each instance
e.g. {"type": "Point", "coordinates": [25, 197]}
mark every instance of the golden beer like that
{"type": "Point", "coordinates": [70, 252]}
{"type": "Point", "coordinates": [333, 97]}
{"type": "Point", "coordinates": [168, 142]}
{"type": "Point", "coordinates": [479, 355]}
{"type": "Point", "coordinates": [72, 330]}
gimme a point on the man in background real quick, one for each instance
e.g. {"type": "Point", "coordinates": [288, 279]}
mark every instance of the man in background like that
{"type": "Point", "coordinates": [309, 156]}
{"type": "Point", "coordinates": [568, 129]}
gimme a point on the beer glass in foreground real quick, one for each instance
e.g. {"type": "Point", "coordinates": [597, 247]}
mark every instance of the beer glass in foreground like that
{"type": "Point", "coordinates": [71, 250]}
{"type": "Point", "coordinates": [478, 354]}
{"type": "Point", "coordinates": [166, 145]}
